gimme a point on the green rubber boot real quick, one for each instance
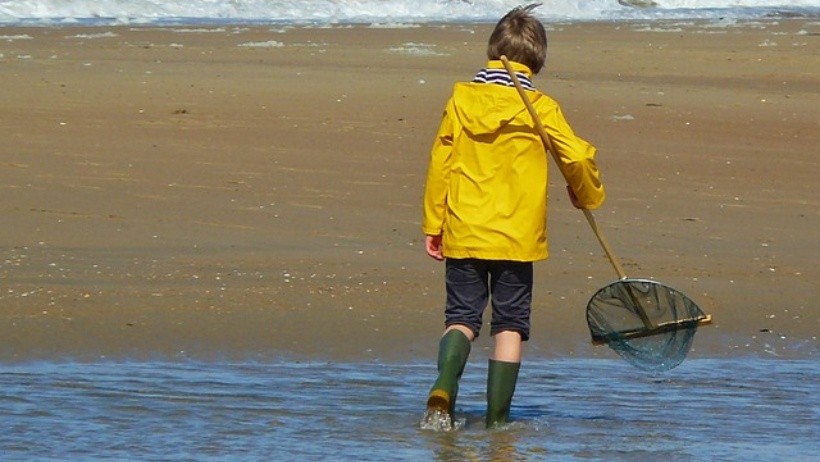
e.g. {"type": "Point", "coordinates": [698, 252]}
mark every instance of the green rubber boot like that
{"type": "Point", "coordinates": [453, 350]}
{"type": "Point", "coordinates": [501, 379]}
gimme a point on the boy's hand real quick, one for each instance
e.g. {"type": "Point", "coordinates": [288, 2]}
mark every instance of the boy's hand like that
{"type": "Point", "coordinates": [433, 246]}
{"type": "Point", "coordinates": [573, 198]}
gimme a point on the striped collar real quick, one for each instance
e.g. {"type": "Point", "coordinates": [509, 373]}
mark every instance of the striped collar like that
{"type": "Point", "coordinates": [501, 77]}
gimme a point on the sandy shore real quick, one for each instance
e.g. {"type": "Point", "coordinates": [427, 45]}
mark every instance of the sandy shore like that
{"type": "Point", "coordinates": [233, 192]}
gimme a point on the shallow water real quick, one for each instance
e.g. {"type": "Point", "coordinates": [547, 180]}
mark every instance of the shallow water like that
{"type": "Point", "coordinates": [745, 409]}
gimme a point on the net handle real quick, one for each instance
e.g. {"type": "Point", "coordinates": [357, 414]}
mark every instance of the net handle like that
{"type": "Point", "coordinates": [545, 138]}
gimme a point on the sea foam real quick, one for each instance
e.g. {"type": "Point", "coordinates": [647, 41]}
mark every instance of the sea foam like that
{"type": "Point", "coordinates": [394, 12]}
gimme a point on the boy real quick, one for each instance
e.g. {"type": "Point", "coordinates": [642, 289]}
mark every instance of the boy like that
{"type": "Point", "coordinates": [485, 209]}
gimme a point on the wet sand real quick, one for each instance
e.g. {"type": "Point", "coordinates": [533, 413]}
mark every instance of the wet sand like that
{"type": "Point", "coordinates": [254, 193]}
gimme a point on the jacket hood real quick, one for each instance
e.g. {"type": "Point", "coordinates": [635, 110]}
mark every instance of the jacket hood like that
{"type": "Point", "coordinates": [484, 108]}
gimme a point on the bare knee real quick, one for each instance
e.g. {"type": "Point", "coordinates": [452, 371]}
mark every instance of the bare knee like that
{"type": "Point", "coordinates": [507, 346]}
{"type": "Point", "coordinates": [463, 329]}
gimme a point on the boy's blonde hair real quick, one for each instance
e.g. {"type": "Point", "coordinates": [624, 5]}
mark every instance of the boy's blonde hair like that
{"type": "Point", "coordinates": [520, 37]}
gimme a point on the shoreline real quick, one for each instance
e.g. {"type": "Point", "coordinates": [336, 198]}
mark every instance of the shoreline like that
{"type": "Point", "coordinates": [255, 193]}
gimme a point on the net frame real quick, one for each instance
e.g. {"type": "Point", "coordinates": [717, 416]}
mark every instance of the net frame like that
{"type": "Point", "coordinates": [648, 323]}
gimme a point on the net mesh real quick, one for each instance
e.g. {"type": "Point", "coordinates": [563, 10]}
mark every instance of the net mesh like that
{"type": "Point", "coordinates": [647, 323]}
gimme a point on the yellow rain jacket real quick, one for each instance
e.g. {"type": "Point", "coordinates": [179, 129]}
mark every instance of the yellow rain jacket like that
{"type": "Point", "coordinates": [486, 189]}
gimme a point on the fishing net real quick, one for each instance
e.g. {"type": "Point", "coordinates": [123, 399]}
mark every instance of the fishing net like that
{"type": "Point", "coordinates": [648, 323]}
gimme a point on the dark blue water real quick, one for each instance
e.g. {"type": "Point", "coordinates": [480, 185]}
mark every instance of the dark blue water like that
{"type": "Point", "coordinates": [747, 409]}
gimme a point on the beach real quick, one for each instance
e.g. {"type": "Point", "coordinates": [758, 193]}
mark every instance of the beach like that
{"type": "Point", "coordinates": [254, 192]}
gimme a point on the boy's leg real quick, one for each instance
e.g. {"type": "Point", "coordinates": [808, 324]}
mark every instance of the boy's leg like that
{"type": "Point", "coordinates": [467, 295]}
{"type": "Point", "coordinates": [501, 379]}
{"type": "Point", "coordinates": [512, 302]}
{"type": "Point", "coordinates": [454, 349]}
{"type": "Point", "coordinates": [508, 346]}
{"type": "Point", "coordinates": [502, 375]}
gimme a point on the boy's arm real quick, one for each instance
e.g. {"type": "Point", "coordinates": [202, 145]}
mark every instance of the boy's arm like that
{"type": "Point", "coordinates": [438, 176]}
{"type": "Point", "coordinates": [577, 160]}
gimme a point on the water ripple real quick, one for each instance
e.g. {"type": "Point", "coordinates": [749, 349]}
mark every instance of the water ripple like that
{"type": "Point", "coordinates": [742, 409]}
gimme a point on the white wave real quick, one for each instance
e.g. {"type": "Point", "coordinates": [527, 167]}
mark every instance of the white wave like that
{"type": "Point", "coordinates": [94, 36]}
{"type": "Point", "coordinates": [417, 49]}
{"type": "Point", "coordinates": [12, 38]}
{"type": "Point", "coordinates": [267, 44]}
{"type": "Point", "coordinates": [367, 11]}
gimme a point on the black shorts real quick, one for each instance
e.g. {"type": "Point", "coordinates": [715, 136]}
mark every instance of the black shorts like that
{"type": "Point", "coordinates": [471, 283]}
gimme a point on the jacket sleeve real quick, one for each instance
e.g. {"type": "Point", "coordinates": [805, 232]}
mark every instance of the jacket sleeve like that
{"type": "Point", "coordinates": [576, 159]}
{"type": "Point", "coordinates": [438, 177]}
